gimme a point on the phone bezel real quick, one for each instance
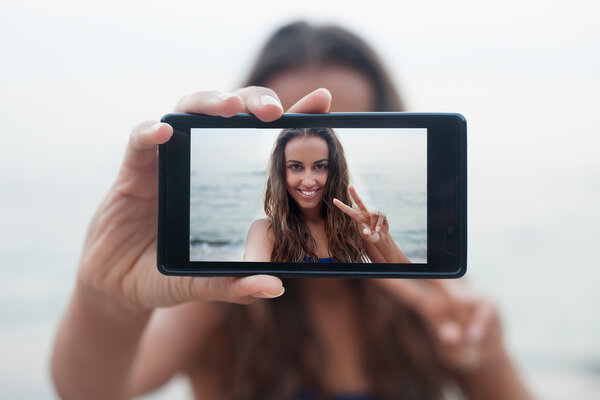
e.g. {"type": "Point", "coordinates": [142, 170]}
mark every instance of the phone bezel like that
{"type": "Point", "coordinates": [446, 197]}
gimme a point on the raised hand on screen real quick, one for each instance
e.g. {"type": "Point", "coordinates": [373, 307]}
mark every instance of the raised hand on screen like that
{"type": "Point", "coordinates": [374, 223]}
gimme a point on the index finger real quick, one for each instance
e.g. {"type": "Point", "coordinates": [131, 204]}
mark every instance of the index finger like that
{"type": "Point", "coordinates": [260, 101]}
{"type": "Point", "coordinates": [357, 199]}
{"type": "Point", "coordinates": [345, 208]}
{"type": "Point", "coordinates": [316, 102]}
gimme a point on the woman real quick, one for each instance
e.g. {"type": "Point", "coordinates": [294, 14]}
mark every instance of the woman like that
{"type": "Point", "coordinates": [307, 221]}
{"type": "Point", "coordinates": [128, 329]}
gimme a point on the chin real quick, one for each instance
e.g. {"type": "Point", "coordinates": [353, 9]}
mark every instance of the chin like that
{"type": "Point", "coordinates": [308, 204]}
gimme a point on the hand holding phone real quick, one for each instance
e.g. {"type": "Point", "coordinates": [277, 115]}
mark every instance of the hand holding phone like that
{"type": "Point", "coordinates": [118, 262]}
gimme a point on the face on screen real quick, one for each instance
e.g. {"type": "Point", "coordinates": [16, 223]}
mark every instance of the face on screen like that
{"type": "Point", "coordinates": [230, 167]}
{"type": "Point", "coordinates": [306, 170]}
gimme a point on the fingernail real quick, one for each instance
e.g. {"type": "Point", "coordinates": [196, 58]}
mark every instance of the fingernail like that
{"type": "Point", "coordinates": [225, 96]}
{"type": "Point", "coordinates": [366, 231]}
{"type": "Point", "coordinates": [324, 90]}
{"type": "Point", "coordinates": [156, 126]}
{"type": "Point", "coordinates": [377, 228]}
{"type": "Point", "coordinates": [264, 295]}
{"type": "Point", "coordinates": [268, 100]}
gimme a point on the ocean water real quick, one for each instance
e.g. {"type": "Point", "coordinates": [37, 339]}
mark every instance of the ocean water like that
{"type": "Point", "coordinates": [388, 168]}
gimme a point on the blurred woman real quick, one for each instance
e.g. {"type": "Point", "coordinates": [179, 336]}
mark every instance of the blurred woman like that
{"type": "Point", "coordinates": [325, 338]}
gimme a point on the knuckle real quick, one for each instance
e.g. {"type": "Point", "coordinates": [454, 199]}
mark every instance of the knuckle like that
{"type": "Point", "coordinates": [135, 137]}
{"type": "Point", "coordinates": [179, 105]}
{"type": "Point", "coordinates": [198, 95]}
{"type": "Point", "coordinates": [183, 98]}
{"type": "Point", "coordinates": [255, 91]}
{"type": "Point", "coordinates": [270, 92]}
{"type": "Point", "coordinates": [193, 101]}
{"type": "Point", "coordinates": [142, 126]}
{"type": "Point", "coordinates": [193, 291]}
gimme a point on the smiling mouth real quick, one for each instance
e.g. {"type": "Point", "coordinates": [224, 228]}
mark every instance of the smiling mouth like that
{"type": "Point", "coordinates": [308, 194]}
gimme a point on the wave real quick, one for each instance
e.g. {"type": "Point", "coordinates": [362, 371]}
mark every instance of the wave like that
{"type": "Point", "coordinates": [196, 242]}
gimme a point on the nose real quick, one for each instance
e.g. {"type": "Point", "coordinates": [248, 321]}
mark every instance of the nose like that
{"type": "Point", "coordinates": [308, 181]}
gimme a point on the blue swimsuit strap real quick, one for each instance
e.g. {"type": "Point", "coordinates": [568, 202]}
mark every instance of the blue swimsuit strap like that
{"type": "Point", "coordinates": [327, 260]}
{"type": "Point", "coordinates": [322, 260]}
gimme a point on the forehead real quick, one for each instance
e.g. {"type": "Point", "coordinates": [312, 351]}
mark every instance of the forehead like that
{"type": "Point", "coordinates": [306, 149]}
{"type": "Point", "coordinates": [351, 89]}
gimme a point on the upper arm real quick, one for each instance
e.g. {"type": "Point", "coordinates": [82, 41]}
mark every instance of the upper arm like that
{"type": "Point", "coordinates": [259, 242]}
{"type": "Point", "coordinates": [170, 344]}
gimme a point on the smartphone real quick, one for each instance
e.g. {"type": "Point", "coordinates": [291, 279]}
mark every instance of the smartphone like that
{"type": "Point", "coordinates": [218, 176]}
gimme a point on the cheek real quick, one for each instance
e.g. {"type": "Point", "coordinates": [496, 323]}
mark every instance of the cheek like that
{"type": "Point", "coordinates": [290, 180]}
{"type": "Point", "coordinates": [323, 178]}
{"type": "Point", "coordinates": [323, 183]}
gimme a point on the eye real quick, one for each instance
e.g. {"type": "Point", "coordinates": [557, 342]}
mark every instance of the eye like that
{"type": "Point", "coordinates": [294, 167]}
{"type": "Point", "coordinates": [321, 166]}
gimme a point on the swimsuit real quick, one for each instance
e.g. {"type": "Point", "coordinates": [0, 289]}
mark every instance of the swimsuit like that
{"type": "Point", "coordinates": [322, 260]}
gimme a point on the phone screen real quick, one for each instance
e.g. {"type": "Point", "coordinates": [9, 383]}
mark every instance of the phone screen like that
{"type": "Point", "coordinates": [229, 168]}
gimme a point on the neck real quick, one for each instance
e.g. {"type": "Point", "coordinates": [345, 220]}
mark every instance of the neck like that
{"type": "Point", "coordinates": [335, 290]}
{"type": "Point", "coordinates": [312, 215]}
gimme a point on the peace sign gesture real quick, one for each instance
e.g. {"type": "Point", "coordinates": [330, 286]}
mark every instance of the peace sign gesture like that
{"type": "Point", "coordinates": [374, 223]}
{"type": "Point", "coordinates": [463, 323]}
{"type": "Point", "coordinates": [466, 331]}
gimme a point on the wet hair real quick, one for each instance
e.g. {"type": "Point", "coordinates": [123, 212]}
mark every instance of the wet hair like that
{"type": "Point", "coordinates": [293, 239]}
{"type": "Point", "coordinates": [301, 45]}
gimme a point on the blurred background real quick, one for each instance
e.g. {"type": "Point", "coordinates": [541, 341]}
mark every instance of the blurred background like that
{"type": "Point", "coordinates": [75, 77]}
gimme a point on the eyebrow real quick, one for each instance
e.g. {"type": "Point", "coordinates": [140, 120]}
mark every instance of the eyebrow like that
{"type": "Point", "coordinates": [300, 162]}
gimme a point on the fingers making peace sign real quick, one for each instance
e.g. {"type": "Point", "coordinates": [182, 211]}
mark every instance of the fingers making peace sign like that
{"type": "Point", "coordinates": [464, 324]}
{"type": "Point", "coordinates": [374, 223]}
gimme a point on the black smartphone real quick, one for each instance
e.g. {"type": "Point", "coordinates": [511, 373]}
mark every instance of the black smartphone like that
{"type": "Point", "coordinates": [220, 176]}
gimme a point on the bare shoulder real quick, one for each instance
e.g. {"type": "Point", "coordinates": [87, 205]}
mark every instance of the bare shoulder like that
{"type": "Point", "coordinates": [259, 242]}
{"type": "Point", "coordinates": [259, 226]}
{"type": "Point", "coordinates": [171, 343]}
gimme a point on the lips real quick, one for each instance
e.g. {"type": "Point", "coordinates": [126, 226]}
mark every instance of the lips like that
{"type": "Point", "coordinates": [308, 194]}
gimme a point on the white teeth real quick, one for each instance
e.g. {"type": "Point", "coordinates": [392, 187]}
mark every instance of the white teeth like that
{"type": "Point", "coordinates": [308, 193]}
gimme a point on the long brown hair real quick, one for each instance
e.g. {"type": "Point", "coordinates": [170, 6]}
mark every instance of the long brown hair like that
{"type": "Point", "coordinates": [293, 239]}
{"type": "Point", "coordinates": [270, 350]}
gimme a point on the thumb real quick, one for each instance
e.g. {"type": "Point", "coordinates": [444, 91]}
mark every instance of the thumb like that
{"type": "Point", "coordinates": [242, 290]}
